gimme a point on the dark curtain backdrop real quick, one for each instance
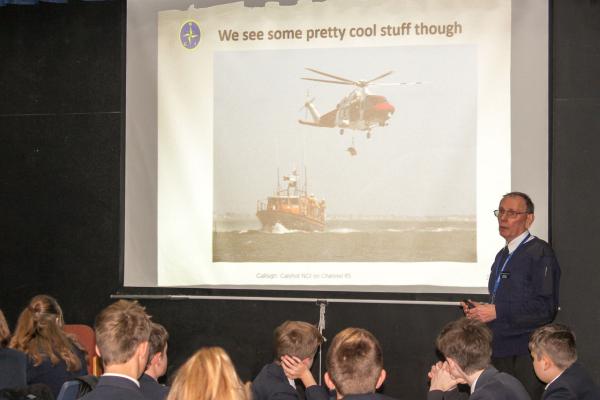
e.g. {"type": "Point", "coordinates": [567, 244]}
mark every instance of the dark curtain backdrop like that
{"type": "Point", "coordinates": [61, 119]}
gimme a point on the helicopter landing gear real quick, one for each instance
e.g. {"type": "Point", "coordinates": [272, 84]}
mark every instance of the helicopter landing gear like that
{"type": "Point", "coordinates": [342, 131]}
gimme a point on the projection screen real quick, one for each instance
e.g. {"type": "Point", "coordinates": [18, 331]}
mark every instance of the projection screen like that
{"type": "Point", "coordinates": [344, 145]}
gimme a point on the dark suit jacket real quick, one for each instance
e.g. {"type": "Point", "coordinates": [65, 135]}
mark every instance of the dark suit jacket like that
{"type": "Point", "coordinates": [115, 388]}
{"type": "Point", "coordinates": [54, 375]}
{"type": "Point", "coordinates": [574, 383]}
{"type": "Point", "coordinates": [151, 389]}
{"type": "Point", "coordinates": [13, 367]}
{"type": "Point", "coordinates": [491, 385]}
{"type": "Point", "coordinates": [367, 396]}
{"type": "Point", "coordinates": [272, 384]}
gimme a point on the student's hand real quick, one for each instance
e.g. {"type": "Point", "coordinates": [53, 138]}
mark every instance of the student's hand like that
{"type": "Point", "coordinates": [294, 368]}
{"type": "Point", "coordinates": [482, 312]}
{"type": "Point", "coordinates": [441, 379]}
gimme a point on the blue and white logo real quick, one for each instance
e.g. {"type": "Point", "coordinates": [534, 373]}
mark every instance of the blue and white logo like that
{"type": "Point", "coordinates": [190, 35]}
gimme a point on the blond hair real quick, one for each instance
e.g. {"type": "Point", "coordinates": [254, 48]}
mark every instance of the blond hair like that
{"type": "Point", "coordinates": [39, 334]}
{"type": "Point", "coordinates": [120, 329]}
{"type": "Point", "coordinates": [208, 375]}
{"type": "Point", "coordinates": [4, 331]}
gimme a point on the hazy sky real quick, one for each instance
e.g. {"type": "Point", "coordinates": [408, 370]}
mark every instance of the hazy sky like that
{"type": "Point", "coordinates": [422, 164]}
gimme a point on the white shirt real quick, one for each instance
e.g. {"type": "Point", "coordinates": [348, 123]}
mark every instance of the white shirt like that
{"type": "Point", "coordinates": [512, 246]}
{"type": "Point", "coordinates": [122, 376]}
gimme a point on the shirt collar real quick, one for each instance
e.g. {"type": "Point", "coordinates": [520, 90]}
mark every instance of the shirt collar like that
{"type": "Point", "coordinates": [512, 246]}
{"type": "Point", "coordinates": [555, 378]}
{"type": "Point", "coordinates": [122, 376]}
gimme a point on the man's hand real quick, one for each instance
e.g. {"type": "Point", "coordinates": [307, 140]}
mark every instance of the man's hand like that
{"type": "Point", "coordinates": [482, 312]}
{"type": "Point", "coordinates": [440, 377]}
{"type": "Point", "coordinates": [294, 368]}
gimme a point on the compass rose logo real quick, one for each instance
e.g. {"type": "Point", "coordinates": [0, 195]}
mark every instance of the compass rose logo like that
{"type": "Point", "coordinates": [190, 35]}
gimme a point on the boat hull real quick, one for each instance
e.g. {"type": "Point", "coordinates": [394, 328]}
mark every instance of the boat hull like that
{"type": "Point", "coordinates": [268, 218]}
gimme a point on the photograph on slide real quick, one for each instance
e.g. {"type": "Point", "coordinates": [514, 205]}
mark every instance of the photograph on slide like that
{"type": "Point", "coordinates": [345, 154]}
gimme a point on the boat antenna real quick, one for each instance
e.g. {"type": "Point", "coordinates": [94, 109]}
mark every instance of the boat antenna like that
{"type": "Point", "coordinates": [305, 182]}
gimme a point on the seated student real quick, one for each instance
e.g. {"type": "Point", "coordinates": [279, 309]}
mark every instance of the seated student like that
{"type": "Point", "coordinates": [157, 364]}
{"type": "Point", "coordinates": [208, 375]}
{"type": "Point", "coordinates": [467, 346]}
{"type": "Point", "coordinates": [293, 339]}
{"type": "Point", "coordinates": [355, 365]}
{"type": "Point", "coordinates": [13, 363]}
{"type": "Point", "coordinates": [53, 356]}
{"type": "Point", "coordinates": [555, 362]}
{"type": "Point", "coordinates": [122, 333]}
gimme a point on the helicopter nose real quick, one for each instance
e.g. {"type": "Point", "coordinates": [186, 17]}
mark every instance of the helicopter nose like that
{"type": "Point", "coordinates": [387, 107]}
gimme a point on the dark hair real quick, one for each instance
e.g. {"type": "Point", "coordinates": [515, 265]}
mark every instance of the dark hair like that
{"type": "Point", "coordinates": [354, 361]}
{"type": "Point", "coordinates": [529, 206]}
{"type": "Point", "coordinates": [296, 338]}
{"type": "Point", "coordinates": [468, 342]}
{"type": "Point", "coordinates": [158, 339]}
{"type": "Point", "coordinates": [557, 341]}
{"type": "Point", "coordinates": [39, 334]}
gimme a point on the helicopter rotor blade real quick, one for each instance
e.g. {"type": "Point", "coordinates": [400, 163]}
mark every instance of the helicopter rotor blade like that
{"type": "Point", "coordinates": [397, 84]}
{"type": "Point", "coordinates": [339, 78]}
{"type": "Point", "coordinates": [379, 77]}
{"type": "Point", "coordinates": [327, 81]}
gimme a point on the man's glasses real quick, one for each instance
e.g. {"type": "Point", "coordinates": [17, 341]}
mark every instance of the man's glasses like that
{"type": "Point", "coordinates": [508, 213]}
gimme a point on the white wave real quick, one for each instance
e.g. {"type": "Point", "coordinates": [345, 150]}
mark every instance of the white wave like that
{"type": "Point", "coordinates": [280, 229]}
{"type": "Point", "coordinates": [342, 230]}
{"type": "Point", "coordinates": [399, 230]}
{"type": "Point", "coordinates": [438, 230]}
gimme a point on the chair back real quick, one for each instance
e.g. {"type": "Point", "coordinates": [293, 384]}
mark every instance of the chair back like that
{"type": "Point", "coordinates": [69, 390]}
{"type": "Point", "coordinates": [87, 338]}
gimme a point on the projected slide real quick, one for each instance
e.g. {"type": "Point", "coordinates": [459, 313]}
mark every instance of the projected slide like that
{"type": "Point", "coordinates": [343, 143]}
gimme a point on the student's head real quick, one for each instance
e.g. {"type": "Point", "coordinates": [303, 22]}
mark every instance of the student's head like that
{"type": "Point", "coordinates": [466, 344]}
{"type": "Point", "coordinates": [208, 375]}
{"type": "Point", "coordinates": [553, 350]}
{"type": "Point", "coordinates": [297, 339]}
{"type": "Point", "coordinates": [354, 363]}
{"type": "Point", "coordinates": [39, 333]}
{"type": "Point", "coordinates": [4, 331]}
{"type": "Point", "coordinates": [122, 333]}
{"type": "Point", "coordinates": [157, 351]}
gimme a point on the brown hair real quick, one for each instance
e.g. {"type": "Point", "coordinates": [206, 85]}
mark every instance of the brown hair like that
{"type": "Point", "coordinates": [120, 328]}
{"type": "Point", "coordinates": [468, 342]}
{"type": "Point", "coordinates": [4, 331]}
{"type": "Point", "coordinates": [296, 338]}
{"type": "Point", "coordinates": [208, 375]}
{"type": "Point", "coordinates": [354, 361]}
{"type": "Point", "coordinates": [39, 334]}
{"type": "Point", "coordinates": [557, 341]}
{"type": "Point", "coordinates": [158, 339]}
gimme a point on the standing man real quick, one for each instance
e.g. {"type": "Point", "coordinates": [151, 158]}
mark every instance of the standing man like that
{"type": "Point", "coordinates": [523, 287]}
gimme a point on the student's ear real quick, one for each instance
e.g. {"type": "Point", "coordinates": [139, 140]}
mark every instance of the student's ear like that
{"type": "Point", "coordinates": [154, 359]}
{"type": "Point", "coordinates": [328, 382]}
{"type": "Point", "coordinates": [382, 376]}
{"type": "Point", "coordinates": [98, 351]}
{"type": "Point", "coordinates": [547, 362]}
{"type": "Point", "coordinates": [308, 361]}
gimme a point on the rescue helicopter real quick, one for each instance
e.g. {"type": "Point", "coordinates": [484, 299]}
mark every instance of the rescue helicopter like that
{"type": "Point", "coordinates": [359, 110]}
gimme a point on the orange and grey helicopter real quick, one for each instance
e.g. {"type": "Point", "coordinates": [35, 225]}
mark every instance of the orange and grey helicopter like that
{"type": "Point", "coordinates": [359, 110]}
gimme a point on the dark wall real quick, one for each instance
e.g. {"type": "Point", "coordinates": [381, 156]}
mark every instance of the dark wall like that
{"type": "Point", "coordinates": [61, 113]}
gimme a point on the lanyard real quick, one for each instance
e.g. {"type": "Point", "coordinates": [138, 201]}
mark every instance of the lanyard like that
{"type": "Point", "coordinates": [499, 275]}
